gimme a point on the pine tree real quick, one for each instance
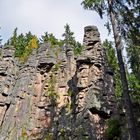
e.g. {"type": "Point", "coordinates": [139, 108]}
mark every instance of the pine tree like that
{"type": "Point", "coordinates": [13, 39]}
{"type": "Point", "coordinates": [50, 38]}
{"type": "Point", "coordinates": [69, 39]}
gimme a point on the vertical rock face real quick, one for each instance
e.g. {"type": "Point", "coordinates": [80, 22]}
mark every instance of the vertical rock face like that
{"type": "Point", "coordinates": [53, 96]}
{"type": "Point", "coordinates": [95, 99]}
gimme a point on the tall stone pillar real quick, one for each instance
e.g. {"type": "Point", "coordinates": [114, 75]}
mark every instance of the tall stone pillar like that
{"type": "Point", "coordinates": [96, 97]}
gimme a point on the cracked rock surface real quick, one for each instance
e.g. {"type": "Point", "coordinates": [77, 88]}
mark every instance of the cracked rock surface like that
{"type": "Point", "coordinates": [54, 96]}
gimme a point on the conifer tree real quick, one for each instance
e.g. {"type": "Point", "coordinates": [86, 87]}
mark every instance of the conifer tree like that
{"type": "Point", "coordinates": [13, 39]}
{"type": "Point", "coordinates": [69, 39]}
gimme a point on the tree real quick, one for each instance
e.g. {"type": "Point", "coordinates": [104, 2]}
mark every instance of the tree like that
{"type": "Point", "coordinates": [134, 86]}
{"type": "Point", "coordinates": [24, 44]}
{"type": "Point", "coordinates": [130, 30]}
{"type": "Point", "coordinates": [113, 64]}
{"type": "Point", "coordinates": [14, 37]}
{"type": "Point", "coordinates": [44, 38]}
{"type": "Point", "coordinates": [69, 39]}
{"type": "Point", "coordinates": [31, 44]}
{"type": "Point", "coordinates": [50, 38]}
{"type": "Point", "coordinates": [109, 7]}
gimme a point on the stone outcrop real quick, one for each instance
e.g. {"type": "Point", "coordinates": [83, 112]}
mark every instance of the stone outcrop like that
{"type": "Point", "coordinates": [54, 95]}
{"type": "Point", "coordinates": [96, 98]}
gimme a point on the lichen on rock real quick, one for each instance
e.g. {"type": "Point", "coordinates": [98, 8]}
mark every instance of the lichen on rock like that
{"type": "Point", "coordinates": [55, 95]}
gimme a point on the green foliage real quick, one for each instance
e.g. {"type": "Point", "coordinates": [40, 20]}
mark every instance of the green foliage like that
{"type": "Point", "coordinates": [134, 87]}
{"type": "Point", "coordinates": [129, 21]}
{"type": "Point", "coordinates": [97, 5]}
{"type": "Point", "coordinates": [49, 136]}
{"type": "Point", "coordinates": [78, 48]}
{"type": "Point", "coordinates": [57, 66]}
{"type": "Point", "coordinates": [69, 39]}
{"type": "Point", "coordinates": [113, 64]}
{"type": "Point", "coordinates": [51, 91]}
{"type": "Point", "coordinates": [130, 30]}
{"type": "Point", "coordinates": [24, 44]}
{"type": "Point", "coordinates": [50, 38]}
{"type": "Point", "coordinates": [51, 87]}
{"type": "Point", "coordinates": [69, 93]}
{"type": "Point", "coordinates": [111, 56]}
{"type": "Point", "coordinates": [113, 131]}
{"type": "Point", "coordinates": [13, 40]}
{"type": "Point", "coordinates": [24, 135]}
{"type": "Point", "coordinates": [32, 44]}
{"type": "Point", "coordinates": [62, 134]}
{"type": "Point", "coordinates": [134, 59]}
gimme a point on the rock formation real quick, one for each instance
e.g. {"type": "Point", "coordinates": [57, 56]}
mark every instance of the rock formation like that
{"type": "Point", "coordinates": [55, 96]}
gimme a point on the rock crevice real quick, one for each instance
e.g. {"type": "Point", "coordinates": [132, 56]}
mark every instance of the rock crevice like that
{"type": "Point", "coordinates": [55, 96]}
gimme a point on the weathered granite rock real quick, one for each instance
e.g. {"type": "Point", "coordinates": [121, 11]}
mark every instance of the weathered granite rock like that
{"type": "Point", "coordinates": [53, 96]}
{"type": "Point", "coordinates": [96, 97]}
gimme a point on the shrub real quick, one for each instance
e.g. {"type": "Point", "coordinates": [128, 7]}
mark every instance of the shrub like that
{"type": "Point", "coordinates": [113, 130]}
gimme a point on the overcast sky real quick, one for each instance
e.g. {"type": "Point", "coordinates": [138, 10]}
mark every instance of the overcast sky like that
{"type": "Point", "coordinates": [39, 16]}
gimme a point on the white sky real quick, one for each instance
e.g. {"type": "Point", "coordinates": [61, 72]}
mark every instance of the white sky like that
{"type": "Point", "coordinates": [39, 16]}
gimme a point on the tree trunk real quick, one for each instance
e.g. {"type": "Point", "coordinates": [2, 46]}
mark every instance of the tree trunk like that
{"type": "Point", "coordinates": [126, 97]}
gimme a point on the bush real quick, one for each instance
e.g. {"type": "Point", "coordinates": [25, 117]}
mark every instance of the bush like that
{"type": "Point", "coordinates": [113, 130]}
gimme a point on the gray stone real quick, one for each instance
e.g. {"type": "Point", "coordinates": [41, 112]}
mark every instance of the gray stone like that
{"type": "Point", "coordinates": [55, 92]}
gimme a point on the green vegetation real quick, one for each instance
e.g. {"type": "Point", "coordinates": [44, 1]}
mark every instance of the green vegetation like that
{"type": "Point", "coordinates": [50, 38]}
{"type": "Point", "coordinates": [49, 136]}
{"type": "Point", "coordinates": [56, 66]}
{"type": "Point", "coordinates": [113, 64]}
{"type": "Point", "coordinates": [134, 87]}
{"type": "Point", "coordinates": [123, 17]}
{"type": "Point", "coordinates": [69, 93]}
{"type": "Point", "coordinates": [133, 78]}
{"type": "Point", "coordinates": [24, 44]}
{"type": "Point", "coordinates": [51, 92]}
{"type": "Point", "coordinates": [130, 24]}
{"type": "Point", "coordinates": [24, 135]}
{"type": "Point", "coordinates": [134, 59]}
{"type": "Point", "coordinates": [69, 40]}
{"type": "Point", "coordinates": [69, 105]}
{"type": "Point", "coordinates": [78, 48]}
{"type": "Point", "coordinates": [113, 131]}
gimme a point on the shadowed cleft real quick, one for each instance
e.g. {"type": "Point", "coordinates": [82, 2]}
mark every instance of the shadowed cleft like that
{"type": "Point", "coordinates": [102, 114]}
{"type": "Point", "coordinates": [45, 66]}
